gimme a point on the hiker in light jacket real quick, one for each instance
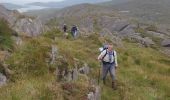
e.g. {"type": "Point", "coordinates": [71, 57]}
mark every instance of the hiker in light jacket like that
{"type": "Point", "coordinates": [109, 61]}
{"type": "Point", "coordinates": [74, 31]}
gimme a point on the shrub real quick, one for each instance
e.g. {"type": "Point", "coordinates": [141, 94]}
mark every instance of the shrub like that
{"type": "Point", "coordinates": [31, 59]}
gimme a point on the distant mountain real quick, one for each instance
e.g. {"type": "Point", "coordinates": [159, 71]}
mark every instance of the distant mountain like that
{"type": "Point", "coordinates": [66, 3]}
{"type": "Point", "coordinates": [11, 6]}
{"type": "Point", "coordinates": [147, 10]}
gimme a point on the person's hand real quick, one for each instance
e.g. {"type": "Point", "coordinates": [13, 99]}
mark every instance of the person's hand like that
{"type": "Point", "coordinates": [116, 67]}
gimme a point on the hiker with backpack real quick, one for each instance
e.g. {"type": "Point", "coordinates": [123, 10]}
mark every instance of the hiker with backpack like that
{"type": "Point", "coordinates": [108, 57]}
{"type": "Point", "coordinates": [65, 31]}
{"type": "Point", "coordinates": [74, 31]}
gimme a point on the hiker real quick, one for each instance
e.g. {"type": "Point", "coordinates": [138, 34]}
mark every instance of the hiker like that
{"type": "Point", "coordinates": [74, 31]}
{"type": "Point", "coordinates": [65, 28]}
{"type": "Point", "coordinates": [65, 31]}
{"type": "Point", "coordinates": [108, 57]}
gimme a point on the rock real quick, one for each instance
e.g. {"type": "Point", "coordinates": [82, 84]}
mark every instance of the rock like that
{"type": "Point", "coordinates": [116, 40]}
{"type": "Point", "coordinates": [95, 95]}
{"type": "Point", "coordinates": [127, 30]}
{"type": "Point", "coordinates": [21, 23]}
{"type": "Point", "coordinates": [85, 69]}
{"type": "Point", "coordinates": [29, 27]}
{"type": "Point", "coordinates": [6, 71]}
{"type": "Point", "coordinates": [74, 74]}
{"type": "Point", "coordinates": [166, 51]}
{"type": "Point", "coordinates": [156, 34]}
{"type": "Point", "coordinates": [90, 96]}
{"type": "Point", "coordinates": [144, 41]}
{"type": "Point", "coordinates": [18, 40]}
{"type": "Point", "coordinates": [148, 42]}
{"type": "Point", "coordinates": [166, 43]}
{"type": "Point", "coordinates": [3, 79]}
{"type": "Point", "coordinates": [54, 52]}
{"type": "Point", "coordinates": [71, 75]}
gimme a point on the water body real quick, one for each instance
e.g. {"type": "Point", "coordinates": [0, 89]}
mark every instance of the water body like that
{"type": "Point", "coordinates": [65, 3]}
{"type": "Point", "coordinates": [30, 7]}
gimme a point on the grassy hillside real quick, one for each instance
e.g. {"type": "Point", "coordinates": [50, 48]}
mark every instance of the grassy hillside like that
{"type": "Point", "coordinates": [143, 73]}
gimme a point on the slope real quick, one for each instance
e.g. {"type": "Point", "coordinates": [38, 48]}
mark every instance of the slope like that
{"type": "Point", "coordinates": [143, 73]}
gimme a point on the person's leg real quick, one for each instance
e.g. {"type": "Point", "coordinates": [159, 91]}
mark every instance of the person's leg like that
{"type": "Point", "coordinates": [105, 69]}
{"type": "Point", "coordinates": [112, 72]}
{"type": "Point", "coordinates": [113, 75]}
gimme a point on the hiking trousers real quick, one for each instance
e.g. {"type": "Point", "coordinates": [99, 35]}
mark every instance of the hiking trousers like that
{"type": "Point", "coordinates": [108, 67]}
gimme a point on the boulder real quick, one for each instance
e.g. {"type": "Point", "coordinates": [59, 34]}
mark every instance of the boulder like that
{"type": "Point", "coordinates": [148, 41]}
{"type": "Point", "coordinates": [3, 79]}
{"type": "Point", "coordinates": [166, 43]}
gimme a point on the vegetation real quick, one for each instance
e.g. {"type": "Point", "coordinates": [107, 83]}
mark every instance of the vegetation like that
{"type": "Point", "coordinates": [5, 36]}
{"type": "Point", "coordinates": [143, 73]}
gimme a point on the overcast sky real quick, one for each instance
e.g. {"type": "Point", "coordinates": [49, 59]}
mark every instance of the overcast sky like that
{"type": "Point", "coordinates": [26, 1]}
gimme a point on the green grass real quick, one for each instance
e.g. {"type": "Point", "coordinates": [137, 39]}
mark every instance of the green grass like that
{"type": "Point", "coordinates": [6, 43]}
{"type": "Point", "coordinates": [143, 73]}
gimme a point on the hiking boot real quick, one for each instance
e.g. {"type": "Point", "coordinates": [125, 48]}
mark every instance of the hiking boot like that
{"type": "Point", "coordinates": [114, 85]}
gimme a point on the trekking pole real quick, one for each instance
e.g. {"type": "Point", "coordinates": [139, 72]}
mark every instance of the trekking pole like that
{"type": "Point", "coordinates": [99, 75]}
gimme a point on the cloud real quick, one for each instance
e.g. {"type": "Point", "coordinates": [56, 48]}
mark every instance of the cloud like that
{"type": "Point", "coordinates": [26, 1]}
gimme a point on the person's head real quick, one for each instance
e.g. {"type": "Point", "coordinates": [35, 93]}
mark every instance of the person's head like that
{"type": "Point", "coordinates": [110, 47]}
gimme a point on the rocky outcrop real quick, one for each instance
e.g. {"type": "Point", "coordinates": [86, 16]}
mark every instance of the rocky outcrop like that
{"type": "Point", "coordinates": [146, 41]}
{"type": "Point", "coordinates": [28, 26]}
{"type": "Point", "coordinates": [166, 43]}
{"type": "Point", "coordinates": [21, 23]}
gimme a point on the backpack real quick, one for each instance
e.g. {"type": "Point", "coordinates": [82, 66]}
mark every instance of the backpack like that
{"type": "Point", "coordinates": [105, 47]}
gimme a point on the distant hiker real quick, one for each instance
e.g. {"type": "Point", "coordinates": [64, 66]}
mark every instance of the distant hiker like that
{"type": "Point", "coordinates": [74, 31]}
{"type": "Point", "coordinates": [108, 57]}
{"type": "Point", "coordinates": [65, 31]}
{"type": "Point", "coordinates": [65, 28]}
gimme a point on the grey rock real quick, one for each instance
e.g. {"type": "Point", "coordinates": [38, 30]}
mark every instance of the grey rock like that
{"type": "Point", "coordinates": [90, 96]}
{"type": "Point", "coordinates": [3, 79]}
{"type": "Point", "coordinates": [148, 42]}
{"type": "Point", "coordinates": [85, 69]}
{"type": "Point", "coordinates": [156, 34]}
{"type": "Point", "coordinates": [74, 74]}
{"type": "Point", "coordinates": [166, 43]}
{"type": "Point", "coordinates": [95, 95]}
{"type": "Point", "coordinates": [54, 52]}
{"type": "Point", "coordinates": [114, 37]}
{"type": "Point", "coordinates": [28, 27]}
{"type": "Point", "coordinates": [21, 23]}
{"type": "Point", "coordinates": [144, 41]}
{"type": "Point", "coordinates": [166, 51]}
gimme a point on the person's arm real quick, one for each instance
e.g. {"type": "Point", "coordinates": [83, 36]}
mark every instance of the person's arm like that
{"type": "Point", "coordinates": [101, 55]}
{"type": "Point", "coordinates": [116, 63]}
